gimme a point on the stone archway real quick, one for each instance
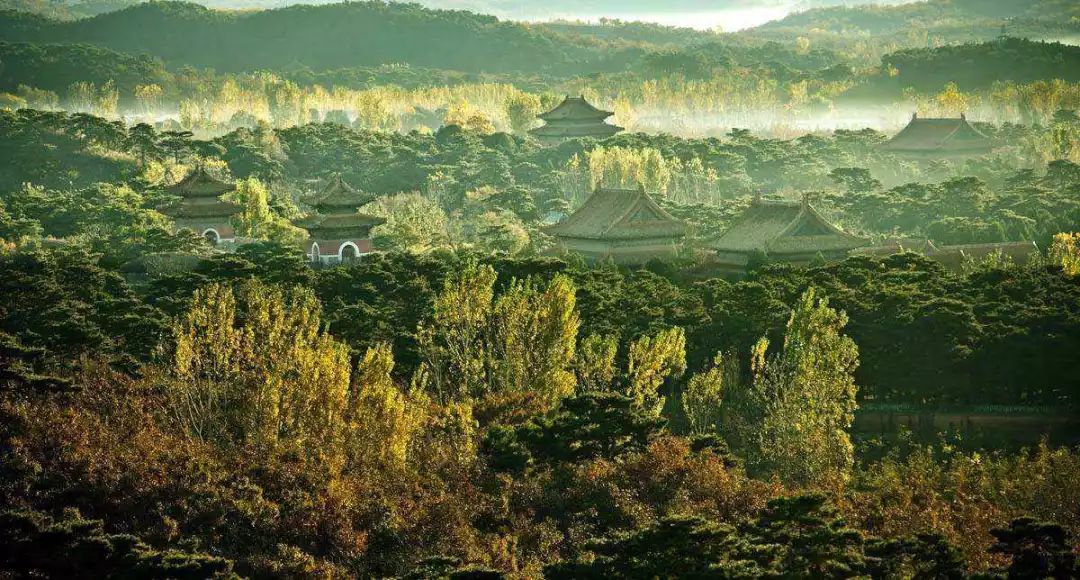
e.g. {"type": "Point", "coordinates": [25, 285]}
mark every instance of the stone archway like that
{"type": "Point", "coordinates": [348, 252]}
{"type": "Point", "coordinates": [314, 252]}
{"type": "Point", "coordinates": [212, 236]}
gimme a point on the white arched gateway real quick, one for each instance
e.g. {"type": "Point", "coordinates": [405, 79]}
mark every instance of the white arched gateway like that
{"type": "Point", "coordinates": [313, 252]}
{"type": "Point", "coordinates": [348, 251]}
{"type": "Point", "coordinates": [212, 236]}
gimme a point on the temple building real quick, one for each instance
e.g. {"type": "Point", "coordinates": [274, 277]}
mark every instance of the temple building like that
{"type": "Point", "coordinates": [938, 138]}
{"type": "Point", "coordinates": [624, 225]}
{"type": "Point", "coordinates": [200, 207]}
{"type": "Point", "coordinates": [781, 231]}
{"type": "Point", "coordinates": [337, 231]}
{"type": "Point", "coordinates": [572, 119]}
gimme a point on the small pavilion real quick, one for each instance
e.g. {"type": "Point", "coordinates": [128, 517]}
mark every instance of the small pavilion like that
{"type": "Point", "coordinates": [781, 231]}
{"type": "Point", "coordinates": [624, 225]}
{"type": "Point", "coordinates": [938, 138]}
{"type": "Point", "coordinates": [200, 207]}
{"type": "Point", "coordinates": [574, 118]}
{"type": "Point", "coordinates": [337, 231]}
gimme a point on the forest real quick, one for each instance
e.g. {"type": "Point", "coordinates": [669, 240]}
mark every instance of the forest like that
{"type": "Point", "coordinates": [468, 396]}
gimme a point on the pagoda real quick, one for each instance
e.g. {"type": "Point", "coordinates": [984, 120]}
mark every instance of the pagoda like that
{"type": "Point", "coordinates": [337, 231]}
{"type": "Point", "coordinates": [200, 207]}
{"type": "Point", "coordinates": [786, 231]}
{"type": "Point", "coordinates": [624, 225]}
{"type": "Point", "coordinates": [574, 118]}
{"type": "Point", "coordinates": [938, 138]}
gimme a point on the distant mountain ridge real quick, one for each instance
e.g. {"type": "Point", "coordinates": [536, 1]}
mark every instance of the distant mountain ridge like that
{"type": "Point", "coordinates": [72, 9]}
{"type": "Point", "coordinates": [320, 37]}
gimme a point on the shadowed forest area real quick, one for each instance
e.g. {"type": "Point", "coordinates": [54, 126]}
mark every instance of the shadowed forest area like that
{"type": "Point", "coordinates": [389, 290]}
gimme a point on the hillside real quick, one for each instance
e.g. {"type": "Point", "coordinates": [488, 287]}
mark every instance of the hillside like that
{"type": "Point", "coordinates": [55, 67]}
{"type": "Point", "coordinates": [873, 31]}
{"type": "Point", "coordinates": [878, 20]}
{"type": "Point", "coordinates": [323, 37]}
{"type": "Point", "coordinates": [978, 65]}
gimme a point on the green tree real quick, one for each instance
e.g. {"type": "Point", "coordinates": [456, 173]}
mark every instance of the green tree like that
{"type": "Point", "coordinates": [1037, 549]}
{"type": "Point", "coordinates": [35, 545]}
{"type": "Point", "coordinates": [922, 557]}
{"type": "Point", "coordinates": [595, 363]}
{"type": "Point", "coordinates": [703, 397]}
{"type": "Point", "coordinates": [678, 547]}
{"type": "Point", "coordinates": [651, 361]}
{"type": "Point", "coordinates": [581, 428]}
{"type": "Point", "coordinates": [803, 537]}
{"type": "Point", "coordinates": [801, 403]}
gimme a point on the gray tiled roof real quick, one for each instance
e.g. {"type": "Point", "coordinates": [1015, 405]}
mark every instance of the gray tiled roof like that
{"type": "Point", "coordinates": [779, 227]}
{"type": "Point", "coordinates": [619, 214]}
{"type": "Point", "coordinates": [199, 183]}
{"type": "Point", "coordinates": [938, 135]}
{"type": "Point", "coordinates": [575, 108]}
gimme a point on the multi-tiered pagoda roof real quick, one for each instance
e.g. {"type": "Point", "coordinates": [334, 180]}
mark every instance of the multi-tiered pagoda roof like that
{"type": "Point", "coordinates": [337, 213]}
{"type": "Point", "coordinates": [574, 118]}
{"type": "Point", "coordinates": [200, 201]}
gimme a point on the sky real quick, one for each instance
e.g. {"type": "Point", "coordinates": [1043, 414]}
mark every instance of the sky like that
{"type": "Point", "coordinates": [726, 15]}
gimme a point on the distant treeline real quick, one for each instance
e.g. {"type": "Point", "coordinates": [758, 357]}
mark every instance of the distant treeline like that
{"type": "Point", "coordinates": [978, 66]}
{"type": "Point", "coordinates": [55, 67]}
{"type": "Point", "coordinates": [892, 19]}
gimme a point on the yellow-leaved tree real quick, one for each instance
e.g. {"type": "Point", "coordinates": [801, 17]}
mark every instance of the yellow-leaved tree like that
{"type": "Point", "coordinates": [704, 395]}
{"type": "Point", "coordinates": [595, 362]}
{"type": "Point", "coordinates": [650, 361]}
{"type": "Point", "coordinates": [520, 342]}
{"type": "Point", "coordinates": [252, 367]}
{"type": "Point", "coordinates": [1065, 251]}
{"type": "Point", "coordinates": [793, 419]}
{"type": "Point", "coordinates": [382, 421]}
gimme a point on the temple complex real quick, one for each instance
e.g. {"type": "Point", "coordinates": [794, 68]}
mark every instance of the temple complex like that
{"type": "Point", "coordinates": [956, 258]}
{"type": "Point", "coordinates": [938, 138]}
{"type": "Point", "coordinates": [624, 225]}
{"type": "Point", "coordinates": [781, 231]}
{"type": "Point", "coordinates": [337, 231]}
{"type": "Point", "coordinates": [572, 119]}
{"type": "Point", "coordinates": [200, 207]}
